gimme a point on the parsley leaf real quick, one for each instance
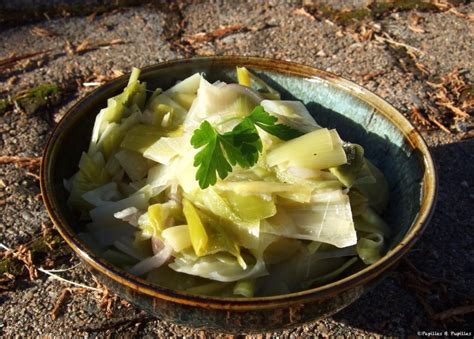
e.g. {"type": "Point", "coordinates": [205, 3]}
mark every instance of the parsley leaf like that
{"type": "Point", "coordinates": [241, 146]}
{"type": "Point", "coordinates": [267, 122]}
{"type": "Point", "coordinates": [210, 159]}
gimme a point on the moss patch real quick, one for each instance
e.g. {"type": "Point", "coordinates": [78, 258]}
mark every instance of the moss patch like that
{"type": "Point", "coordinates": [51, 247]}
{"type": "Point", "coordinates": [376, 10]}
{"type": "Point", "coordinates": [33, 99]}
{"type": "Point", "coordinates": [381, 9]}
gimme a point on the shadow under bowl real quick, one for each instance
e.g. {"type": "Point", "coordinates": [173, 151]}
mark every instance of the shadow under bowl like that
{"type": "Point", "coordinates": [360, 116]}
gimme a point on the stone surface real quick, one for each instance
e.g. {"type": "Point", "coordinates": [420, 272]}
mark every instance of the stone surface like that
{"type": "Point", "coordinates": [272, 29]}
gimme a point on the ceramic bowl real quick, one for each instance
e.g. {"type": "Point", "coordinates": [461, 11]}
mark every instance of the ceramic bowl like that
{"type": "Point", "coordinates": [360, 116]}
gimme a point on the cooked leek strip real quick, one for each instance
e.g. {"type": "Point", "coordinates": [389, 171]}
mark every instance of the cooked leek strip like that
{"type": "Point", "coordinates": [376, 191]}
{"type": "Point", "coordinates": [177, 237]}
{"type": "Point", "coordinates": [189, 85]}
{"type": "Point", "coordinates": [248, 188]}
{"type": "Point", "coordinates": [114, 133]}
{"type": "Point", "coordinates": [221, 240]}
{"type": "Point", "coordinates": [183, 99]}
{"type": "Point", "coordinates": [213, 267]}
{"type": "Point", "coordinates": [162, 115]}
{"type": "Point", "coordinates": [359, 203]}
{"type": "Point", "coordinates": [152, 262]}
{"type": "Point", "coordinates": [113, 113]}
{"type": "Point", "coordinates": [213, 202]}
{"type": "Point", "coordinates": [313, 246]}
{"type": "Point", "coordinates": [125, 245]}
{"type": "Point", "coordinates": [133, 163]}
{"type": "Point", "coordinates": [291, 113]}
{"type": "Point", "coordinates": [319, 149]}
{"type": "Point", "coordinates": [243, 77]}
{"type": "Point", "coordinates": [168, 148]}
{"type": "Point", "coordinates": [324, 181]}
{"type": "Point", "coordinates": [208, 236]}
{"type": "Point", "coordinates": [197, 231]}
{"type": "Point", "coordinates": [130, 215]}
{"type": "Point", "coordinates": [134, 76]}
{"type": "Point", "coordinates": [160, 106]}
{"type": "Point", "coordinates": [118, 258]}
{"type": "Point", "coordinates": [243, 210]}
{"type": "Point", "coordinates": [105, 214]}
{"type": "Point", "coordinates": [332, 275]}
{"type": "Point", "coordinates": [245, 288]}
{"type": "Point", "coordinates": [369, 248]}
{"type": "Point", "coordinates": [140, 137]}
{"type": "Point", "coordinates": [297, 272]}
{"type": "Point", "coordinates": [91, 174]}
{"type": "Point", "coordinates": [110, 139]}
{"type": "Point", "coordinates": [103, 195]}
{"type": "Point", "coordinates": [326, 219]}
{"type": "Point", "coordinates": [248, 79]}
{"type": "Point", "coordinates": [155, 93]}
{"type": "Point", "coordinates": [107, 235]}
{"type": "Point", "coordinates": [251, 207]}
{"type": "Point", "coordinates": [119, 106]}
{"type": "Point", "coordinates": [167, 277]}
{"type": "Point", "coordinates": [135, 92]}
{"type": "Point", "coordinates": [212, 288]}
{"type": "Point", "coordinates": [160, 216]}
{"type": "Point", "coordinates": [218, 104]}
{"type": "Point", "coordinates": [369, 221]}
{"type": "Point", "coordinates": [281, 249]}
{"type": "Point", "coordinates": [347, 173]}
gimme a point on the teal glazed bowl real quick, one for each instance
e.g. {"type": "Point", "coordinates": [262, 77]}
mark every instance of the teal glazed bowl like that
{"type": "Point", "coordinates": [360, 116]}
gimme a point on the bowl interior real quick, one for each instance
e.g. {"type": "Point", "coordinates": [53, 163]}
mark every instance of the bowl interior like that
{"type": "Point", "coordinates": [334, 102]}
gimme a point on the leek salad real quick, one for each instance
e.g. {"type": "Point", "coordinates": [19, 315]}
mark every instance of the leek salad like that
{"type": "Point", "coordinates": [226, 190]}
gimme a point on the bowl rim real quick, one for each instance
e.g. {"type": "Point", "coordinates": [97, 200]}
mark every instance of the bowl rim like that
{"type": "Point", "coordinates": [428, 199]}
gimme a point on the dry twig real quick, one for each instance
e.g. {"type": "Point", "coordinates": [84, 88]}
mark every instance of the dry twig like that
{"type": "Point", "coordinates": [368, 76]}
{"type": "Point", "coordinates": [87, 45]}
{"type": "Point", "coordinates": [414, 23]}
{"type": "Point", "coordinates": [217, 34]}
{"type": "Point", "coordinates": [448, 92]}
{"type": "Point", "coordinates": [106, 299]}
{"type": "Point", "coordinates": [363, 32]}
{"type": "Point", "coordinates": [23, 254]}
{"type": "Point", "coordinates": [43, 32]}
{"type": "Point", "coordinates": [13, 60]}
{"type": "Point", "coordinates": [423, 286]}
{"type": "Point", "coordinates": [454, 11]}
{"type": "Point", "coordinates": [24, 162]}
{"type": "Point", "coordinates": [419, 117]}
{"type": "Point", "coordinates": [440, 125]}
{"type": "Point", "coordinates": [302, 11]}
{"type": "Point", "coordinates": [455, 311]}
{"type": "Point", "coordinates": [385, 37]}
{"type": "Point", "coordinates": [33, 175]}
{"type": "Point", "coordinates": [140, 318]}
{"type": "Point", "coordinates": [62, 297]}
{"type": "Point", "coordinates": [91, 17]}
{"type": "Point", "coordinates": [452, 100]}
{"type": "Point", "coordinates": [98, 79]}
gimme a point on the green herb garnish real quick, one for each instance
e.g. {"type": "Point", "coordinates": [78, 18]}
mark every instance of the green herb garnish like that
{"type": "Point", "coordinates": [267, 122]}
{"type": "Point", "coordinates": [241, 146]}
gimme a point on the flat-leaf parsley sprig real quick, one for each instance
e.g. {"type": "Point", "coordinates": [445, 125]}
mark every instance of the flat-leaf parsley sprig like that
{"type": "Point", "coordinates": [241, 146]}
